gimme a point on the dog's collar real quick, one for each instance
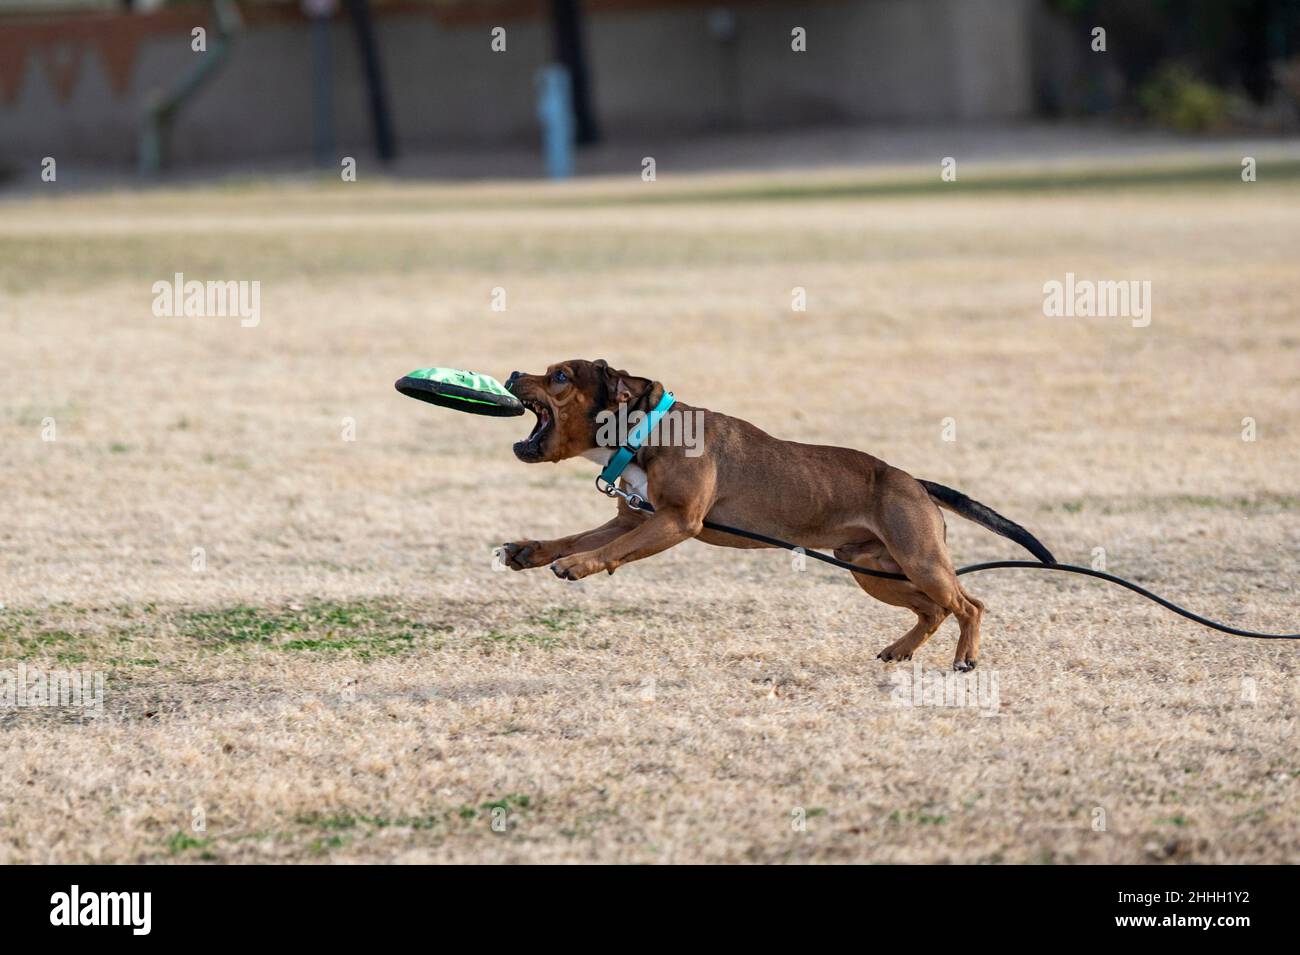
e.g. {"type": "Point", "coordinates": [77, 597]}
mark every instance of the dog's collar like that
{"type": "Point", "coordinates": [621, 458]}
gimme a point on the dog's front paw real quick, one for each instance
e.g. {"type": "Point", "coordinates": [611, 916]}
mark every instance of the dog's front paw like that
{"type": "Point", "coordinates": [523, 555]}
{"type": "Point", "coordinates": [575, 567]}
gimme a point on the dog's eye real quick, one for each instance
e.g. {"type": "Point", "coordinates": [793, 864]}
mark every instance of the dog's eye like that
{"type": "Point", "coordinates": [560, 377]}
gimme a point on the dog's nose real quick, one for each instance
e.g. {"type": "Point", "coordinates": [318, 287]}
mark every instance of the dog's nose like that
{"type": "Point", "coordinates": [510, 382]}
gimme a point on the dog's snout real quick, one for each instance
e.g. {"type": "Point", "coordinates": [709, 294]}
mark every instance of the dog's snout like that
{"type": "Point", "coordinates": [510, 382]}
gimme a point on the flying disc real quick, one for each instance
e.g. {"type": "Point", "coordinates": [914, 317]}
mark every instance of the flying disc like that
{"type": "Point", "coordinates": [461, 390]}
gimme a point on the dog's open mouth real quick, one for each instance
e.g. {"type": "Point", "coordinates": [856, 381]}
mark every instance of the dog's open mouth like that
{"type": "Point", "coordinates": [530, 449]}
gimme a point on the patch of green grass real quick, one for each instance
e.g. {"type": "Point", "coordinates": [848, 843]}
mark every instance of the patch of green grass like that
{"type": "Point", "coordinates": [558, 619]}
{"type": "Point", "coordinates": [507, 802]}
{"type": "Point", "coordinates": [183, 842]}
{"type": "Point", "coordinates": [403, 822]}
{"type": "Point", "coordinates": [348, 820]}
{"type": "Point", "coordinates": [322, 846]}
{"type": "Point", "coordinates": [28, 644]}
{"type": "Point", "coordinates": [364, 629]}
{"type": "Point", "coordinates": [318, 645]}
{"type": "Point", "coordinates": [897, 817]}
{"type": "Point", "coordinates": [1256, 504]}
{"type": "Point", "coordinates": [240, 625]}
{"type": "Point", "coordinates": [544, 629]}
{"type": "Point", "coordinates": [1172, 821]}
{"type": "Point", "coordinates": [22, 638]}
{"type": "Point", "coordinates": [344, 821]}
{"type": "Point", "coordinates": [1260, 502]}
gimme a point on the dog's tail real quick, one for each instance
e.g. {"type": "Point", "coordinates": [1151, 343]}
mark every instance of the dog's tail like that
{"type": "Point", "coordinates": [959, 503]}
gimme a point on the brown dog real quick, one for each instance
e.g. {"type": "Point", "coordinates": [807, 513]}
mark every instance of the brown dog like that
{"type": "Point", "coordinates": [815, 496]}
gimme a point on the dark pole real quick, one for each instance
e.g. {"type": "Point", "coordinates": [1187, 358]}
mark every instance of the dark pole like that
{"type": "Point", "coordinates": [570, 50]}
{"type": "Point", "coordinates": [360, 10]}
{"type": "Point", "coordinates": [323, 91]}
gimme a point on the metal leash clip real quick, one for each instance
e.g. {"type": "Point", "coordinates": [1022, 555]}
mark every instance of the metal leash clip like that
{"type": "Point", "coordinates": [634, 501]}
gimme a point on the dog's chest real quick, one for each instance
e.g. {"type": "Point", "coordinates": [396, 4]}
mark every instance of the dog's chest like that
{"type": "Point", "coordinates": [636, 480]}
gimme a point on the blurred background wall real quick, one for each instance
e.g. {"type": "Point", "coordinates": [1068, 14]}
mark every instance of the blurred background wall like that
{"type": "Point", "coordinates": [76, 76]}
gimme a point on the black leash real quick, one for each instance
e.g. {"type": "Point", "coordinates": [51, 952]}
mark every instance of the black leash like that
{"type": "Point", "coordinates": [635, 502]}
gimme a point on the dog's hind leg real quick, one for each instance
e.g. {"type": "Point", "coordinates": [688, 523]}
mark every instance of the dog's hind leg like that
{"type": "Point", "coordinates": [897, 593]}
{"type": "Point", "coordinates": [927, 622]}
{"type": "Point", "coordinates": [932, 573]}
{"type": "Point", "coordinates": [913, 531]}
{"type": "Point", "coordinates": [924, 559]}
{"type": "Point", "coordinates": [968, 644]}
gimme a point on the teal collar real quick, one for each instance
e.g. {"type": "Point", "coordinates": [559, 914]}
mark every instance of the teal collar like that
{"type": "Point", "coordinates": [621, 458]}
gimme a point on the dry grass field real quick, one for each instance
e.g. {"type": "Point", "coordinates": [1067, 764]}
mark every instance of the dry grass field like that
{"type": "Point", "coordinates": [342, 676]}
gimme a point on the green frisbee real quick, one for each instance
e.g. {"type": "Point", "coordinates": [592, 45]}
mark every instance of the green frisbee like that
{"type": "Point", "coordinates": [461, 390]}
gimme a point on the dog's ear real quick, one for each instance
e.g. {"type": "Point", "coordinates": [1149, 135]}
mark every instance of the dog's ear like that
{"type": "Point", "coordinates": [620, 387]}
